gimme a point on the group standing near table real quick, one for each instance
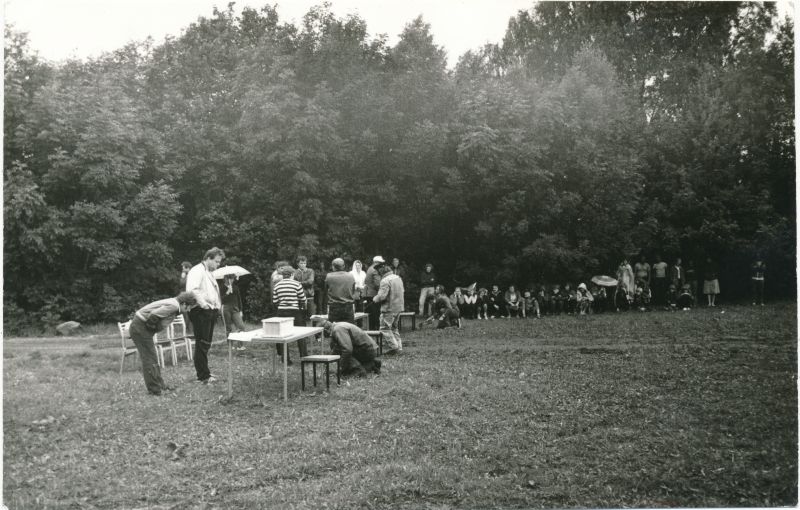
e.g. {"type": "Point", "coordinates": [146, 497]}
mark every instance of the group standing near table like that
{"type": "Point", "coordinates": [380, 292]}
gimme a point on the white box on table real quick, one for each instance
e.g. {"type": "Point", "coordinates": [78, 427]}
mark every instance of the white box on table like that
{"type": "Point", "coordinates": [278, 326]}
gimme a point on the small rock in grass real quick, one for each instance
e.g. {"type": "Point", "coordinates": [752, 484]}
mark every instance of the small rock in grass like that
{"type": "Point", "coordinates": [66, 328]}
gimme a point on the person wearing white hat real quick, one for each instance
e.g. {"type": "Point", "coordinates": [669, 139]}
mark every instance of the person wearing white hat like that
{"type": "Point", "coordinates": [585, 299]}
{"type": "Point", "coordinates": [372, 283]}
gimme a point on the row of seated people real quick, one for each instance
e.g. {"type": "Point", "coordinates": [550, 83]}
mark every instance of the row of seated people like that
{"type": "Point", "coordinates": [555, 300]}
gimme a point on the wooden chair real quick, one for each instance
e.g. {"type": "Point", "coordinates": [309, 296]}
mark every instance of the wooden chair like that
{"type": "Point", "coordinates": [127, 348]}
{"type": "Point", "coordinates": [177, 333]}
{"type": "Point", "coordinates": [413, 317]}
{"type": "Point", "coordinates": [320, 359]}
{"type": "Point", "coordinates": [378, 337]}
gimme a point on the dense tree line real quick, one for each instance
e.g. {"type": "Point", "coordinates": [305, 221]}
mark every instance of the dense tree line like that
{"type": "Point", "coordinates": [593, 131]}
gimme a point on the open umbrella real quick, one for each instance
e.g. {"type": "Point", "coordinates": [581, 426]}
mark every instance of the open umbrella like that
{"type": "Point", "coordinates": [604, 281]}
{"type": "Point", "coordinates": [222, 272]}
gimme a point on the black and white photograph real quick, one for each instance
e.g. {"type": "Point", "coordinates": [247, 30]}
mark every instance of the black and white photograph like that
{"type": "Point", "coordinates": [387, 254]}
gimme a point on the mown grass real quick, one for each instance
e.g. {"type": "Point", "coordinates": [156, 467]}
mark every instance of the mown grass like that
{"type": "Point", "coordinates": [695, 409]}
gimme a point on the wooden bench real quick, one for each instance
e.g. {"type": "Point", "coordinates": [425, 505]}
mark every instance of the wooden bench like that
{"type": "Point", "coordinates": [316, 359]}
{"type": "Point", "coordinates": [406, 314]}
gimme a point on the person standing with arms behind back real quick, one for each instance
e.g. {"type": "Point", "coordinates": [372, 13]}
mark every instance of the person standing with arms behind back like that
{"type": "Point", "coordinates": [232, 307]}
{"type": "Point", "coordinates": [305, 275]}
{"type": "Point", "coordinates": [391, 298]}
{"type": "Point", "coordinates": [372, 283]}
{"type": "Point", "coordinates": [204, 314]}
{"type": "Point", "coordinates": [340, 286]}
{"type": "Point", "coordinates": [758, 272]}
{"type": "Point", "coordinates": [427, 286]}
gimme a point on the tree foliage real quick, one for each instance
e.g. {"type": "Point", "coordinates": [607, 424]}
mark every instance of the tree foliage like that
{"type": "Point", "coordinates": [595, 130]}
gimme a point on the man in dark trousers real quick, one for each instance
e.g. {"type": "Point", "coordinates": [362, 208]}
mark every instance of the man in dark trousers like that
{"type": "Point", "coordinates": [357, 349]}
{"type": "Point", "coordinates": [204, 314]}
{"type": "Point", "coordinates": [149, 320]}
{"type": "Point", "coordinates": [340, 286]}
{"type": "Point", "coordinates": [371, 286]}
{"type": "Point", "coordinates": [305, 275]}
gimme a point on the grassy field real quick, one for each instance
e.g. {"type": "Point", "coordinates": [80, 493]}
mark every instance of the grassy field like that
{"type": "Point", "coordinates": [689, 409]}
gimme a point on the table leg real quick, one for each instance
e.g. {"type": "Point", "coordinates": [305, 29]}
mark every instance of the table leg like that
{"type": "Point", "coordinates": [285, 370]}
{"type": "Point", "coordinates": [230, 370]}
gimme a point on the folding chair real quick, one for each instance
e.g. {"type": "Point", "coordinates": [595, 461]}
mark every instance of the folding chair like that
{"type": "Point", "coordinates": [165, 343]}
{"type": "Point", "coordinates": [181, 339]}
{"type": "Point", "coordinates": [125, 335]}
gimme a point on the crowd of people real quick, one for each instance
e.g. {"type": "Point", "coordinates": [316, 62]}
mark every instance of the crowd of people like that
{"type": "Point", "coordinates": [379, 291]}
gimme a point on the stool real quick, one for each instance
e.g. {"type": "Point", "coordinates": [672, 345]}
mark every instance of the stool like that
{"type": "Point", "coordinates": [326, 359]}
{"type": "Point", "coordinates": [378, 336]}
{"type": "Point", "coordinates": [407, 314]}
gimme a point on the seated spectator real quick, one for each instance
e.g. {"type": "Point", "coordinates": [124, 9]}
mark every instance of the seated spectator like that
{"type": "Point", "coordinates": [457, 300]}
{"type": "Point", "coordinates": [530, 306]}
{"type": "Point", "coordinates": [570, 299]}
{"type": "Point", "coordinates": [513, 301]}
{"type": "Point", "coordinates": [641, 296]}
{"type": "Point", "coordinates": [497, 304]}
{"type": "Point", "coordinates": [357, 349]}
{"type": "Point", "coordinates": [470, 308]}
{"type": "Point", "coordinates": [543, 298]}
{"type": "Point", "coordinates": [621, 299]}
{"type": "Point", "coordinates": [557, 299]}
{"type": "Point", "coordinates": [482, 304]}
{"type": "Point", "coordinates": [444, 310]}
{"type": "Point", "coordinates": [600, 298]}
{"type": "Point", "coordinates": [686, 299]}
{"type": "Point", "coordinates": [671, 297]}
{"type": "Point", "coordinates": [583, 299]}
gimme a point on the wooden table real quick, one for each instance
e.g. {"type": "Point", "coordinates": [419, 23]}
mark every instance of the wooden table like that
{"type": "Point", "coordinates": [257, 335]}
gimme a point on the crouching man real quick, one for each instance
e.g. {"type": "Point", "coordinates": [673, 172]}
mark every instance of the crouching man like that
{"type": "Point", "coordinates": [357, 349]}
{"type": "Point", "coordinates": [149, 320]}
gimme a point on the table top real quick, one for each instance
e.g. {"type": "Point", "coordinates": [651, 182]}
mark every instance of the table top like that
{"type": "Point", "coordinates": [298, 332]}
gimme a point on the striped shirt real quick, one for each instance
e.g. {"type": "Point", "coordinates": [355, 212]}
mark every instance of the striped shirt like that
{"type": "Point", "coordinates": [288, 294]}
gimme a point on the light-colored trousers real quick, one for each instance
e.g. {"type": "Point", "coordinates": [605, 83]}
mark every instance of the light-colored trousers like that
{"type": "Point", "coordinates": [391, 335]}
{"type": "Point", "coordinates": [423, 296]}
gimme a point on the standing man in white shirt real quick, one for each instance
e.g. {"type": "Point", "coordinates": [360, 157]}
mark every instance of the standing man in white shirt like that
{"type": "Point", "coordinates": [204, 314]}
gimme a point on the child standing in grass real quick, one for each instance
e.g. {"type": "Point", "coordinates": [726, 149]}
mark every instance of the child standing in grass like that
{"type": "Point", "coordinates": [530, 307]}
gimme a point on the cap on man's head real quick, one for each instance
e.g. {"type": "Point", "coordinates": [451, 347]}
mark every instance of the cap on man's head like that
{"type": "Point", "coordinates": [377, 259]}
{"type": "Point", "coordinates": [582, 286]}
{"type": "Point", "coordinates": [338, 263]}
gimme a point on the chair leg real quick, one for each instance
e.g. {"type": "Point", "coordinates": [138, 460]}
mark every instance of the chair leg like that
{"type": "Point", "coordinates": [121, 363]}
{"type": "Point", "coordinates": [338, 373]}
{"type": "Point", "coordinates": [314, 365]}
{"type": "Point", "coordinates": [303, 375]}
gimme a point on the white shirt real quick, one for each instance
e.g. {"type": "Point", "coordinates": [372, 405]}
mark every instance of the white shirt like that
{"type": "Point", "coordinates": [201, 282]}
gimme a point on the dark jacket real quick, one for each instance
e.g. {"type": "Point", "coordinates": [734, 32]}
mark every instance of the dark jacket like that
{"type": "Point", "coordinates": [427, 279]}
